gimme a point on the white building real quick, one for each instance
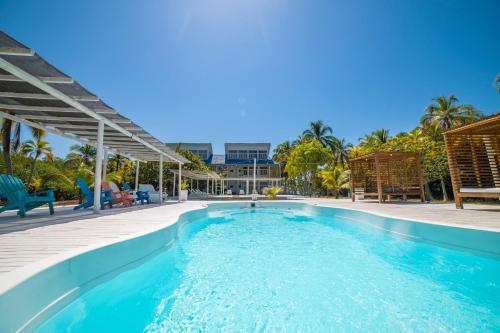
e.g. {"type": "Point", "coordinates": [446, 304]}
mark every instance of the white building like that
{"type": "Point", "coordinates": [237, 163]}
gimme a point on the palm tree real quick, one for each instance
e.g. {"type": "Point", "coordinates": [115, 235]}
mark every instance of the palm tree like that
{"type": "Point", "coordinates": [340, 149]}
{"type": "Point", "coordinates": [319, 131]}
{"type": "Point", "coordinates": [375, 138]}
{"type": "Point", "coordinates": [10, 142]}
{"type": "Point", "coordinates": [36, 149]}
{"type": "Point", "coordinates": [334, 180]}
{"type": "Point", "coordinates": [497, 82]}
{"type": "Point", "coordinates": [118, 160]}
{"type": "Point", "coordinates": [281, 155]}
{"type": "Point", "coordinates": [445, 113]}
{"type": "Point", "coordinates": [81, 155]}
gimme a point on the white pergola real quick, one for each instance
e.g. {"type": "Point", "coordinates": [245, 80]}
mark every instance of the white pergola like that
{"type": "Point", "coordinates": [210, 177]}
{"type": "Point", "coordinates": [35, 93]}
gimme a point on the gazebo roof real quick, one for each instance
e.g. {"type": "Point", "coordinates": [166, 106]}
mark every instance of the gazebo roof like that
{"type": "Point", "coordinates": [485, 126]}
{"type": "Point", "coordinates": [37, 94]}
{"type": "Point", "coordinates": [385, 155]}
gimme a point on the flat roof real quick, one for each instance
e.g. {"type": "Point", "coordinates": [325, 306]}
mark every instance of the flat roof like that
{"type": "Point", "coordinates": [35, 93]}
{"type": "Point", "coordinates": [488, 125]}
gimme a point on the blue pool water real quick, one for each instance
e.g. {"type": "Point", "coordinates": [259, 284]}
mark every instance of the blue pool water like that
{"type": "Point", "coordinates": [272, 270]}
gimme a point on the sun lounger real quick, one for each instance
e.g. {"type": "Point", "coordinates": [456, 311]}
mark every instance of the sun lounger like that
{"type": "Point", "coordinates": [154, 195]}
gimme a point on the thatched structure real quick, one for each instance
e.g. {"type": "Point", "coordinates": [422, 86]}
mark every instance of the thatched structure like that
{"type": "Point", "coordinates": [385, 174]}
{"type": "Point", "coordinates": [474, 159]}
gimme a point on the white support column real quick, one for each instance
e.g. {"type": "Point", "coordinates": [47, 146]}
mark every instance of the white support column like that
{"type": "Point", "coordinates": [160, 180]}
{"type": "Point", "coordinates": [105, 165]}
{"type": "Point", "coordinates": [197, 184]}
{"type": "Point", "coordinates": [173, 186]}
{"type": "Point", "coordinates": [208, 185]}
{"type": "Point", "coordinates": [254, 175]}
{"type": "Point", "coordinates": [137, 166]}
{"type": "Point", "coordinates": [222, 186]}
{"type": "Point", "coordinates": [191, 185]}
{"type": "Point", "coordinates": [98, 167]}
{"type": "Point", "coordinates": [180, 182]}
{"type": "Point", "coordinates": [248, 187]}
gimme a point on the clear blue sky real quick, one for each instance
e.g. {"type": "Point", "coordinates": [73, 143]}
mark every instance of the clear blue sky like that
{"type": "Point", "coordinates": [255, 70]}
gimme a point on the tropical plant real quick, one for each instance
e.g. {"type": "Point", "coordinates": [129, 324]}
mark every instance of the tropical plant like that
{"type": "Point", "coordinates": [445, 113]}
{"type": "Point", "coordinates": [340, 150]}
{"type": "Point", "coordinates": [184, 184]}
{"type": "Point", "coordinates": [272, 192]}
{"type": "Point", "coordinates": [334, 180]}
{"type": "Point", "coordinates": [305, 162]}
{"type": "Point", "coordinates": [319, 131]}
{"type": "Point", "coordinates": [82, 154]}
{"type": "Point", "coordinates": [36, 149]}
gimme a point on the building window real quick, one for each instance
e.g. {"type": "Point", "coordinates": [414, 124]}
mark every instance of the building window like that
{"type": "Point", "coordinates": [243, 155]}
{"type": "Point", "coordinates": [245, 171]}
{"type": "Point", "coordinates": [232, 154]}
{"type": "Point", "coordinates": [203, 154]}
{"type": "Point", "coordinates": [263, 171]}
{"type": "Point", "coordinates": [262, 155]}
{"type": "Point", "coordinates": [252, 154]}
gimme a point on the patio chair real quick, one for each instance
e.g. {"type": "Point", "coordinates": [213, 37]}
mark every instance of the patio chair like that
{"type": "Point", "coordinates": [118, 196]}
{"type": "Point", "coordinates": [139, 195]}
{"type": "Point", "coordinates": [13, 189]}
{"type": "Point", "coordinates": [154, 196]}
{"type": "Point", "coordinates": [89, 196]}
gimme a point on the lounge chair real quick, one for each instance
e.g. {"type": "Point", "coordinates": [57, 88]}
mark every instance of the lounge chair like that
{"type": "Point", "coordinates": [13, 189]}
{"type": "Point", "coordinates": [242, 192]}
{"type": "Point", "coordinates": [154, 196]}
{"type": "Point", "coordinates": [118, 196]}
{"type": "Point", "coordinates": [89, 196]}
{"type": "Point", "coordinates": [139, 195]}
{"type": "Point", "coordinates": [229, 192]}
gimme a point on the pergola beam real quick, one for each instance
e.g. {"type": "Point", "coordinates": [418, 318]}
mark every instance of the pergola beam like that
{"type": "Point", "coordinates": [17, 107]}
{"type": "Point", "coordinates": [75, 119]}
{"type": "Point", "coordinates": [16, 51]}
{"type": "Point", "coordinates": [8, 94]}
{"type": "Point", "coordinates": [46, 79]}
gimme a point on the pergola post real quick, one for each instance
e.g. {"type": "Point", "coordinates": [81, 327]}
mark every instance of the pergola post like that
{"type": "Point", "coordinates": [105, 165]}
{"type": "Point", "coordinates": [254, 175]}
{"type": "Point", "coordinates": [222, 188]}
{"type": "Point", "coordinates": [137, 166]}
{"type": "Point", "coordinates": [379, 180]}
{"type": "Point", "coordinates": [248, 187]}
{"type": "Point", "coordinates": [455, 177]}
{"type": "Point", "coordinates": [160, 179]}
{"type": "Point", "coordinates": [208, 185]}
{"type": "Point", "coordinates": [98, 167]}
{"type": "Point", "coordinates": [180, 182]}
{"type": "Point", "coordinates": [173, 186]}
{"type": "Point", "coordinates": [420, 178]}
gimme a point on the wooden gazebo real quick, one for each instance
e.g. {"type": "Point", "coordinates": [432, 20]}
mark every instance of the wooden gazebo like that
{"type": "Point", "coordinates": [387, 174]}
{"type": "Point", "coordinates": [474, 159]}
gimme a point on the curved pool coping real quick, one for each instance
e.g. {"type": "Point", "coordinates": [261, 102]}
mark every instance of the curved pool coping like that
{"type": "Point", "coordinates": [80, 269]}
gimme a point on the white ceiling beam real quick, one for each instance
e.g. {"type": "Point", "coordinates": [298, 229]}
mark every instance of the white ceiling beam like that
{"type": "Point", "coordinates": [56, 118]}
{"type": "Point", "coordinates": [11, 68]}
{"type": "Point", "coordinates": [51, 109]}
{"type": "Point", "coordinates": [16, 51]}
{"type": "Point", "coordinates": [46, 79]}
{"type": "Point", "coordinates": [88, 98]}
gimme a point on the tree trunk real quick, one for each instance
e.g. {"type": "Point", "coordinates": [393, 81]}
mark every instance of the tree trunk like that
{"type": "Point", "coordinates": [6, 132]}
{"type": "Point", "coordinates": [443, 187]}
{"type": "Point", "coordinates": [428, 192]}
{"type": "Point", "coordinates": [32, 171]}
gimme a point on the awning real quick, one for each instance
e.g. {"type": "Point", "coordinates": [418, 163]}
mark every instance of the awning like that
{"type": "Point", "coordinates": [37, 94]}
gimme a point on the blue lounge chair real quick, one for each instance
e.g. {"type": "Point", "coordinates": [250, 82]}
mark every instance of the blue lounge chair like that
{"type": "Point", "coordinates": [141, 195]}
{"type": "Point", "coordinates": [13, 189]}
{"type": "Point", "coordinates": [89, 196]}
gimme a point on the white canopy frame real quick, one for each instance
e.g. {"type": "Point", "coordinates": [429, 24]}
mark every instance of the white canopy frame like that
{"type": "Point", "coordinates": [35, 93]}
{"type": "Point", "coordinates": [209, 176]}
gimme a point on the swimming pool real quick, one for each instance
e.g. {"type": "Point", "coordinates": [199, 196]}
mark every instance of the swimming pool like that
{"type": "Point", "coordinates": [297, 268]}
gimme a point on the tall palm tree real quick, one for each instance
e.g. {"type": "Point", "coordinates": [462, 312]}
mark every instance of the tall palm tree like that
{"type": "Point", "coordinates": [282, 152]}
{"type": "Point", "coordinates": [319, 131]}
{"type": "Point", "coordinates": [36, 149]}
{"type": "Point", "coordinates": [445, 113]}
{"type": "Point", "coordinates": [340, 149]}
{"type": "Point", "coordinates": [117, 160]}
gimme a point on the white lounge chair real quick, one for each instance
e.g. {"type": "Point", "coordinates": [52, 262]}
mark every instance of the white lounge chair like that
{"type": "Point", "coordinates": [242, 192]}
{"type": "Point", "coordinates": [154, 196]}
